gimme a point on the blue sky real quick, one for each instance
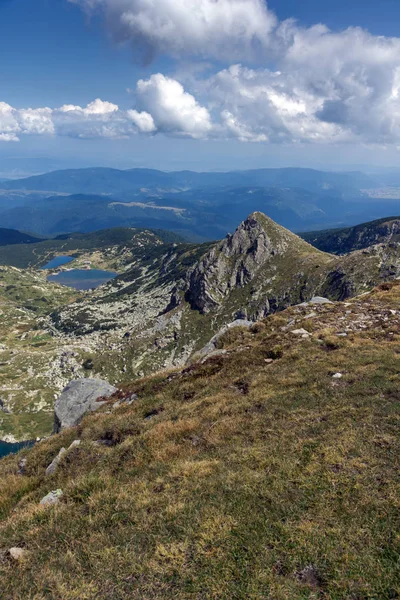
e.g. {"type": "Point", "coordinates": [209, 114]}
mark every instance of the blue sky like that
{"type": "Point", "coordinates": [195, 108]}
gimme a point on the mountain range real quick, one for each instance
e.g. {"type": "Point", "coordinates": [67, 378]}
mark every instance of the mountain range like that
{"type": "Point", "coordinates": [199, 206]}
{"type": "Point", "coordinates": [169, 300]}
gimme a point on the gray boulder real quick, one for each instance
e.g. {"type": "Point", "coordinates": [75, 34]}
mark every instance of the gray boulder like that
{"type": "Point", "coordinates": [320, 300]}
{"type": "Point", "coordinates": [51, 469]}
{"type": "Point", "coordinates": [79, 398]}
{"type": "Point", "coordinates": [52, 498]}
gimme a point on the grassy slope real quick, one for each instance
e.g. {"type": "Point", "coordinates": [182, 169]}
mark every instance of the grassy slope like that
{"type": "Point", "coordinates": [233, 479]}
{"type": "Point", "coordinates": [348, 239]}
{"type": "Point", "coordinates": [12, 236]}
{"type": "Point", "coordinates": [38, 254]}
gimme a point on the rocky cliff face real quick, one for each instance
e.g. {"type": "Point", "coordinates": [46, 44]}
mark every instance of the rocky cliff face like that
{"type": "Point", "coordinates": [236, 260]}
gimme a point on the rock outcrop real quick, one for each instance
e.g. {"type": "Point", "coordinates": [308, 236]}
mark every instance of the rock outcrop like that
{"type": "Point", "coordinates": [236, 260]}
{"type": "Point", "coordinates": [78, 398]}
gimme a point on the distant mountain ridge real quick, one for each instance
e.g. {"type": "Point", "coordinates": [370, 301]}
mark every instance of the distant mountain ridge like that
{"type": "Point", "coordinates": [13, 236]}
{"type": "Point", "coordinates": [198, 206]}
{"type": "Point", "coordinates": [342, 241]}
{"type": "Point", "coordinates": [101, 180]}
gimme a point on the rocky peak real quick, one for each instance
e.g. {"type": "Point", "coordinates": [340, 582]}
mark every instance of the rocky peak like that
{"type": "Point", "coordinates": [236, 260]}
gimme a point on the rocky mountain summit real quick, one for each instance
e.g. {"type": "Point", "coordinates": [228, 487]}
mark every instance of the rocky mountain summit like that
{"type": "Point", "coordinates": [172, 298]}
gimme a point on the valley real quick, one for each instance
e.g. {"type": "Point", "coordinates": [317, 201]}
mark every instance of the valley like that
{"type": "Point", "coordinates": [169, 299]}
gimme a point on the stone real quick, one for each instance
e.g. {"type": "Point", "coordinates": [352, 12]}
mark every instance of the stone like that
{"type": "Point", "coordinates": [51, 469]}
{"type": "Point", "coordinates": [268, 360]}
{"type": "Point", "coordinates": [79, 398]}
{"type": "Point", "coordinates": [301, 332]}
{"type": "Point", "coordinates": [212, 344]}
{"type": "Point", "coordinates": [126, 401]}
{"type": "Point", "coordinates": [337, 376]}
{"type": "Point", "coordinates": [17, 554]}
{"type": "Point", "coordinates": [22, 466]}
{"type": "Point", "coordinates": [52, 498]}
{"type": "Point", "coordinates": [320, 300]}
{"type": "Point", "coordinates": [74, 444]}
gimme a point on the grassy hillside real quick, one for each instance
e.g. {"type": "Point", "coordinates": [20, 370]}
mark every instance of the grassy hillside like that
{"type": "Point", "coordinates": [12, 236]}
{"type": "Point", "coordinates": [348, 239]}
{"type": "Point", "coordinates": [76, 244]}
{"type": "Point", "coordinates": [255, 474]}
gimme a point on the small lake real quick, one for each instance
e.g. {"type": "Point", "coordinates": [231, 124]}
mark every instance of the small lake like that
{"type": "Point", "coordinates": [82, 279]}
{"type": "Point", "coordinates": [6, 448]}
{"type": "Point", "coordinates": [58, 261]}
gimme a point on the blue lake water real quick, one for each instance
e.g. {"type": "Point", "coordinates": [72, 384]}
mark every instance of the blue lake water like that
{"type": "Point", "coordinates": [81, 279]}
{"type": "Point", "coordinates": [6, 448]}
{"type": "Point", "coordinates": [58, 261]}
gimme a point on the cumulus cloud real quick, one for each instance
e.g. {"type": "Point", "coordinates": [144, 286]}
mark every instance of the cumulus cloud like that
{"type": "Point", "coordinates": [230, 29]}
{"type": "Point", "coordinates": [165, 108]}
{"type": "Point", "coordinates": [289, 84]}
{"type": "Point", "coordinates": [168, 108]}
{"type": "Point", "coordinates": [97, 119]}
{"type": "Point", "coordinates": [14, 122]}
{"type": "Point", "coordinates": [315, 84]}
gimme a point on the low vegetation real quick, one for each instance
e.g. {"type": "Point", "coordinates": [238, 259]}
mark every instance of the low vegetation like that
{"type": "Point", "coordinates": [269, 470]}
{"type": "Point", "coordinates": [348, 239]}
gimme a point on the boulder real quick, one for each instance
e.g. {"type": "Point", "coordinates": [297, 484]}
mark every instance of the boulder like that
{"type": "Point", "coordinates": [320, 300]}
{"type": "Point", "coordinates": [52, 498]}
{"type": "Point", "coordinates": [17, 554]}
{"type": "Point", "coordinates": [77, 399]}
{"type": "Point", "coordinates": [212, 344]}
{"type": "Point", "coordinates": [302, 332]}
{"type": "Point", "coordinates": [51, 469]}
{"type": "Point", "coordinates": [74, 444]}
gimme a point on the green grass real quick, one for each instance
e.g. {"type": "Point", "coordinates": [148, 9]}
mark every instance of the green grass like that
{"type": "Point", "coordinates": [232, 479]}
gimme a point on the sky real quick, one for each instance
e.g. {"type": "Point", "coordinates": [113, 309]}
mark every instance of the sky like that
{"type": "Point", "coordinates": [199, 84]}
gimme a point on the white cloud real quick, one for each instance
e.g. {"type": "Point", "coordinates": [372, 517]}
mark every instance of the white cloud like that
{"type": "Point", "coordinates": [8, 137]}
{"type": "Point", "coordinates": [314, 86]}
{"type": "Point", "coordinates": [97, 107]}
{"type": "Point", "coordinates": [143, 121]}
{"type": "Point", "coordinates": [320, 86]}
{"type": "Point", "coordinates": [169, 108]}
{"type": "Point", "coordinates": [229, 29]}
{"type": "Point", "coordinates": [16, 122]}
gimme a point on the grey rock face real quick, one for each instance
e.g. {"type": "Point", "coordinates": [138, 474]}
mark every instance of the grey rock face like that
{"type": "Point", "coordinates": [77, 399]}
{"type": "Point", "coordinates": [235, 261]}
{"type": "Point", "coordinates": [52, 498]}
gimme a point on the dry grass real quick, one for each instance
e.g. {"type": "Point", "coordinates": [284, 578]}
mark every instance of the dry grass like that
{"type": "Point", "coordinates": [239, 478]}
